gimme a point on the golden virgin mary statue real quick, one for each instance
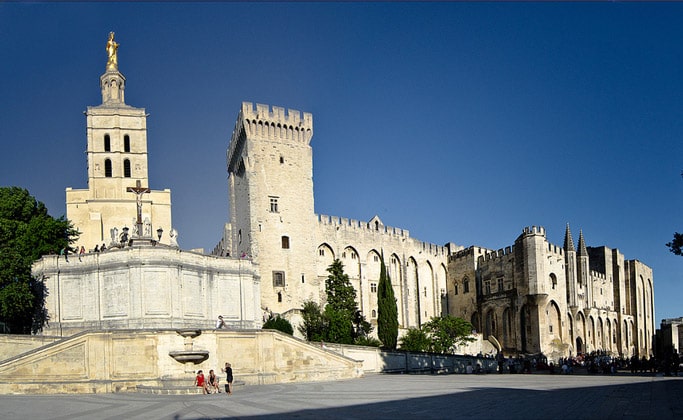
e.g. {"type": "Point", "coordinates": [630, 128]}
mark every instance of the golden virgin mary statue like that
{"type": "Point", "coordinates": [112, 47]}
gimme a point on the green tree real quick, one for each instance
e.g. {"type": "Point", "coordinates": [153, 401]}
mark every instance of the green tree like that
{"type": "Point", "coordinates": [341, 312]}
{"type": "Point", "coordinates": [339, 326]}
{"type": "Point", "coordinates": [27, 232]}
{"type": "Point", "coordinates": [446, 332]}
{"type": "Point", "coordinates": [341, 296]}
{"type": "Point", "coordinates": [313, 326]}
{"type": "Point", "coordinates": [387, 311]}
{"type": "Point", "coordinates": [278, 323]}
{"type": "Point", "coordinates": [676, 244]}
{"type": "Point", "coordinates": [415, 339]}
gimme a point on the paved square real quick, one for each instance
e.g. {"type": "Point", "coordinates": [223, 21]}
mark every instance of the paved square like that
{"type": "Point", "coordinates": [376, 396]}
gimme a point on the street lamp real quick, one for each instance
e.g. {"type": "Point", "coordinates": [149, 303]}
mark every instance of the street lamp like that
{"type": "Point", "coordinates": [160, 232]}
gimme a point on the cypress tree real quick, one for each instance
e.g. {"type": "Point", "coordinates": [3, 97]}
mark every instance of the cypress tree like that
{"type": "Point", "coordinates": [387, 311]}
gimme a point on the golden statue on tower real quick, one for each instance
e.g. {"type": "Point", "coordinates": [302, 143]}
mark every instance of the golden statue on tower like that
{"type": "Point", "coordinates": [112, 47]}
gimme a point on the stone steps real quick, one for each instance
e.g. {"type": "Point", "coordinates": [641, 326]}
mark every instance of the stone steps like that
{"type": "Point", "coordinates": [178, 387]}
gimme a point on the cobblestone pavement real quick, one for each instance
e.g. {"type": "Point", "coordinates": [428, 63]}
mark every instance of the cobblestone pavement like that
{"type": "Point", "coordinates": [537, 396]}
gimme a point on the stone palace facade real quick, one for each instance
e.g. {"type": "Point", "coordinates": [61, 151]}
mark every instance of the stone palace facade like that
{"type": "Point", "coordinates": [533, 296]}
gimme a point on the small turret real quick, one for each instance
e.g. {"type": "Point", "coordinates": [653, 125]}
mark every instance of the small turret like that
{"type": "Point", "coordinates": [568, 240]}
{"type": "Point", "coordinates": [570, 267]}
{"type": "Point", "coordinates": [583, 271]}
{"type": "Point", "coordinates": [583, 252]}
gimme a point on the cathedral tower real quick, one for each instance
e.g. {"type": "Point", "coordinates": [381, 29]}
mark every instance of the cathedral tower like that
{"type": "Point", "coordinates": [272, 221]}
{"type": "Point", "coordinates": [117, 159]}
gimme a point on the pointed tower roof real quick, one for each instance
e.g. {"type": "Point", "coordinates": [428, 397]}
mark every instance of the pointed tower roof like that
{"type": "Point", "coordinates": [568, 240]}
{"type": "Point", "coordinates": [582, 245]}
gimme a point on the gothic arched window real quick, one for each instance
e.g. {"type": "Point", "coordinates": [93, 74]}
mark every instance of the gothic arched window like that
{"type": "Point", "coordinates": [107, 143]}
{"type": "Point", "coordinates": [126, 143]}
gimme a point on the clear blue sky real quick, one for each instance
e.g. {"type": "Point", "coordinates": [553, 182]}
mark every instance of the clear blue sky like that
{"type": "Point", "coordinates": [461, 122]}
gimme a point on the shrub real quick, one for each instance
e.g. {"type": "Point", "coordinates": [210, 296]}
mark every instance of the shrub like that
{"type": "Point", "coordinates": [278, 323]}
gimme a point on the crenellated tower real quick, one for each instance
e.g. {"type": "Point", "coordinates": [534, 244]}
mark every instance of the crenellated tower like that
{"type": "Point", "coordinates": [272, 220]}
{"type": "Point", "coordinates": [117, 159]}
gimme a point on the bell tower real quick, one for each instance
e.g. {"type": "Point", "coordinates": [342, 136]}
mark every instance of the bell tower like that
{"type": "Point", "coordinates": [116, 153]}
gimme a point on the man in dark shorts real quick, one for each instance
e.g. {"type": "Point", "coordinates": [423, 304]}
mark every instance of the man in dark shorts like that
{"type": "Point", "coordinates": [228, 373]}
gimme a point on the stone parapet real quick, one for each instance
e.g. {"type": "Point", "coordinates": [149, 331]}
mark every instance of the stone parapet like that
{"type": "Point", "coordinates": [139, 360]}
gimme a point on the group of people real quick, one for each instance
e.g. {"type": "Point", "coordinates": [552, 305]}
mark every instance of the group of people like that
{"type": "Point", "coordinates": [210, 385]}
{"type": "Point", "coordinates": [64, 252]}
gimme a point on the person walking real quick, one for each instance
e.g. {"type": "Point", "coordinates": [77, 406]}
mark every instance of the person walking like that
{"type": "Point", "coordinates": [228, 379]}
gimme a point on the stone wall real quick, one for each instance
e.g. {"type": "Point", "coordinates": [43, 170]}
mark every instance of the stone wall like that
{"type": "Point", "coordinates": [124, 360]}
{"type": "Point", "coordinates": [146, 286]}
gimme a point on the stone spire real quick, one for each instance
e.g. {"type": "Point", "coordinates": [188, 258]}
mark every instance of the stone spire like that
{"type": "Point", "coordinates": [583, 252]}
{"type": "Point", "coordinates": [568, 240]}
{"type": "Point", "coordinates": [112, 81]}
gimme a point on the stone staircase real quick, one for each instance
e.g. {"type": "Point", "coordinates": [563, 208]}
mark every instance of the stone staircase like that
{"type": "Point", "coordinates": [178, 387]}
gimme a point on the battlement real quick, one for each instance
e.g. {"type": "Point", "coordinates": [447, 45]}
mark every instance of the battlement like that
{"type": "Point", "coordinates": [472, 251]}
{"type": "Point", "coordinates": [534, 230]}
{"type": "Point", "coordinates": [497, 254]}
{"type": "Point", "coordinates": [555, 249]}
{"type": "Point", "coordinates": [346, 223]}
{"type": "Point", "coordinates": [596, 275]}
{"type": "Point", "coordinates": [369, 228]}
{"type": "Point", "coordinates": [276, 122]}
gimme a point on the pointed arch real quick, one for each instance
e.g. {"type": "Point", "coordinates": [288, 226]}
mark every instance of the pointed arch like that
{"type": "Point", "coordinates": [581, 332]}
{"type": "Point", "coordinates": [413, 291]}
{"type": "Point", "coordinates": [570, 327]}
{"type": "Point", "coordinates": [474, 320]}
{"type": "Point", "coordinates": [441, 284]}
{"type": "Point", "coordinates": [507, 328]}
{"type": "Point", "coordinates": [324, 258]}
{"type": "Point", "coordinates": [490, 324]}
{"type": "Point", "coordinates": [554, 319]}
{"type": "Point", "coordinates": [351, 260]}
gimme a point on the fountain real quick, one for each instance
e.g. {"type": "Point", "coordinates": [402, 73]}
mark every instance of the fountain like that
{"type": "Point", "coordinates": [189, 355]}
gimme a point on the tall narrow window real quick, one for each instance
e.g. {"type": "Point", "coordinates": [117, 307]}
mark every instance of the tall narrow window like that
{"type": "Point", "coordinates": [126, 168]}
{"type": "Point", "coordinates": [285, 242]}
{"type": "Point", "coordinates": [126, 143]}
{"type": "Point", "coordinates": [465, 285]}
{"type": "Point", "coordinates": [107, 168]}
{"type": "Point", "coordinates": [273, 204]}
{"type": "Point", "coordinates": [107, 143]}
